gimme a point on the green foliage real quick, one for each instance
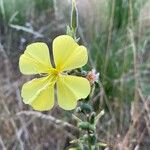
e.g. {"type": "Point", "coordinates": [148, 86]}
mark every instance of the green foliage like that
{"type": "Point", "coordinates": [112, 52]}
{"type": "Point", "coordinates": [114, 75]}
{"type": "Point", "coordinates": [124, 11]}
{"type": "Point", "coordinates": [18, 11]}
{"type": "Point", "coordinates": [42, 5]}
{"type": "Point", "coordinates": [86, 123]}
{"type": "Point", "coordinates": [14, 11]}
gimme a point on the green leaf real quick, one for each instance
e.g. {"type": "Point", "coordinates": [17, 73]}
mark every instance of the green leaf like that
{"type": "Point", "coordinates": [74, 148]}
{"type": "Point", "coordinates": [99, 116]}
{"type": "Point", "coordinates": [86, 126]}
{"type": "Point", "coordinates": [76, 118]}
{"type": "Point", "coordinates": [101, 144]}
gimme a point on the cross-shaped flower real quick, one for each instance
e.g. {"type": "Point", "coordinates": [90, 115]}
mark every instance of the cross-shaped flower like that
{"type": "Point", "coordinates": [39, 92]}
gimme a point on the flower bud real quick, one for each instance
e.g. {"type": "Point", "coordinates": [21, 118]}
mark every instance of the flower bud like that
{"type": "Point", "coordinates": [74, 16]}
{"type": "Point", "coordinates": [86, 108]}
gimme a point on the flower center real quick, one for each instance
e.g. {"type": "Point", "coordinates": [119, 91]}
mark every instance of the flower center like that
{"type": "Point", "coordinates": [53, 72]}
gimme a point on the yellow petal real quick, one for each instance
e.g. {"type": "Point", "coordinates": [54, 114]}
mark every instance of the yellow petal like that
{"type": "Point", "coordinates": [35, 59]}
{"type": "Point", "coordinates": [68, 54]}
{"type": "Point", "coordinates": [70, 89]}
{"type": "Point", "coordinates": [39, 93]}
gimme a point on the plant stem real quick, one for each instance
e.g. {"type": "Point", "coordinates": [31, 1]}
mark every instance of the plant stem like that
{"type": "Point", "coordinates": [89, 143]}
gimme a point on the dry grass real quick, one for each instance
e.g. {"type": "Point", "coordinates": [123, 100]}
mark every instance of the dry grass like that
{"type": "Point", "coordinates": [124, 127]}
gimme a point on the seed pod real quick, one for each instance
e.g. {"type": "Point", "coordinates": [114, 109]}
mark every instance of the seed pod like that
{"type": "Point", "coordinates": [74, 16]}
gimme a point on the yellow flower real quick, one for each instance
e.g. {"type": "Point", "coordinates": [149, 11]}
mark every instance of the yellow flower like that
{"type": "Point", "coordinates": [39, 92]}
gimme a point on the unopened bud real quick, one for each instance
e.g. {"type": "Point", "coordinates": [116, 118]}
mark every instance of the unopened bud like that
{"type": "Point", "coordinates": [74, 16]}
{"type": "Point", "coordinates": [86, 108]}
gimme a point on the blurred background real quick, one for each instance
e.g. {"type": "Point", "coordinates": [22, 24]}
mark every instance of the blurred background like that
{"type": "Point", "coordinates": [117, 35]}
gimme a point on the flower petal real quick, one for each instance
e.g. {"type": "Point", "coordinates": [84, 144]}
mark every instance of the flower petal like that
{"type": "Point", "coordinates": [39, 93]}
{"type": "Point", "coordinates": [35, 59]}
{"type": "Point", "coordinates": [70, 89]}
{"type": "Point", "coordinates": [68, 54]}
